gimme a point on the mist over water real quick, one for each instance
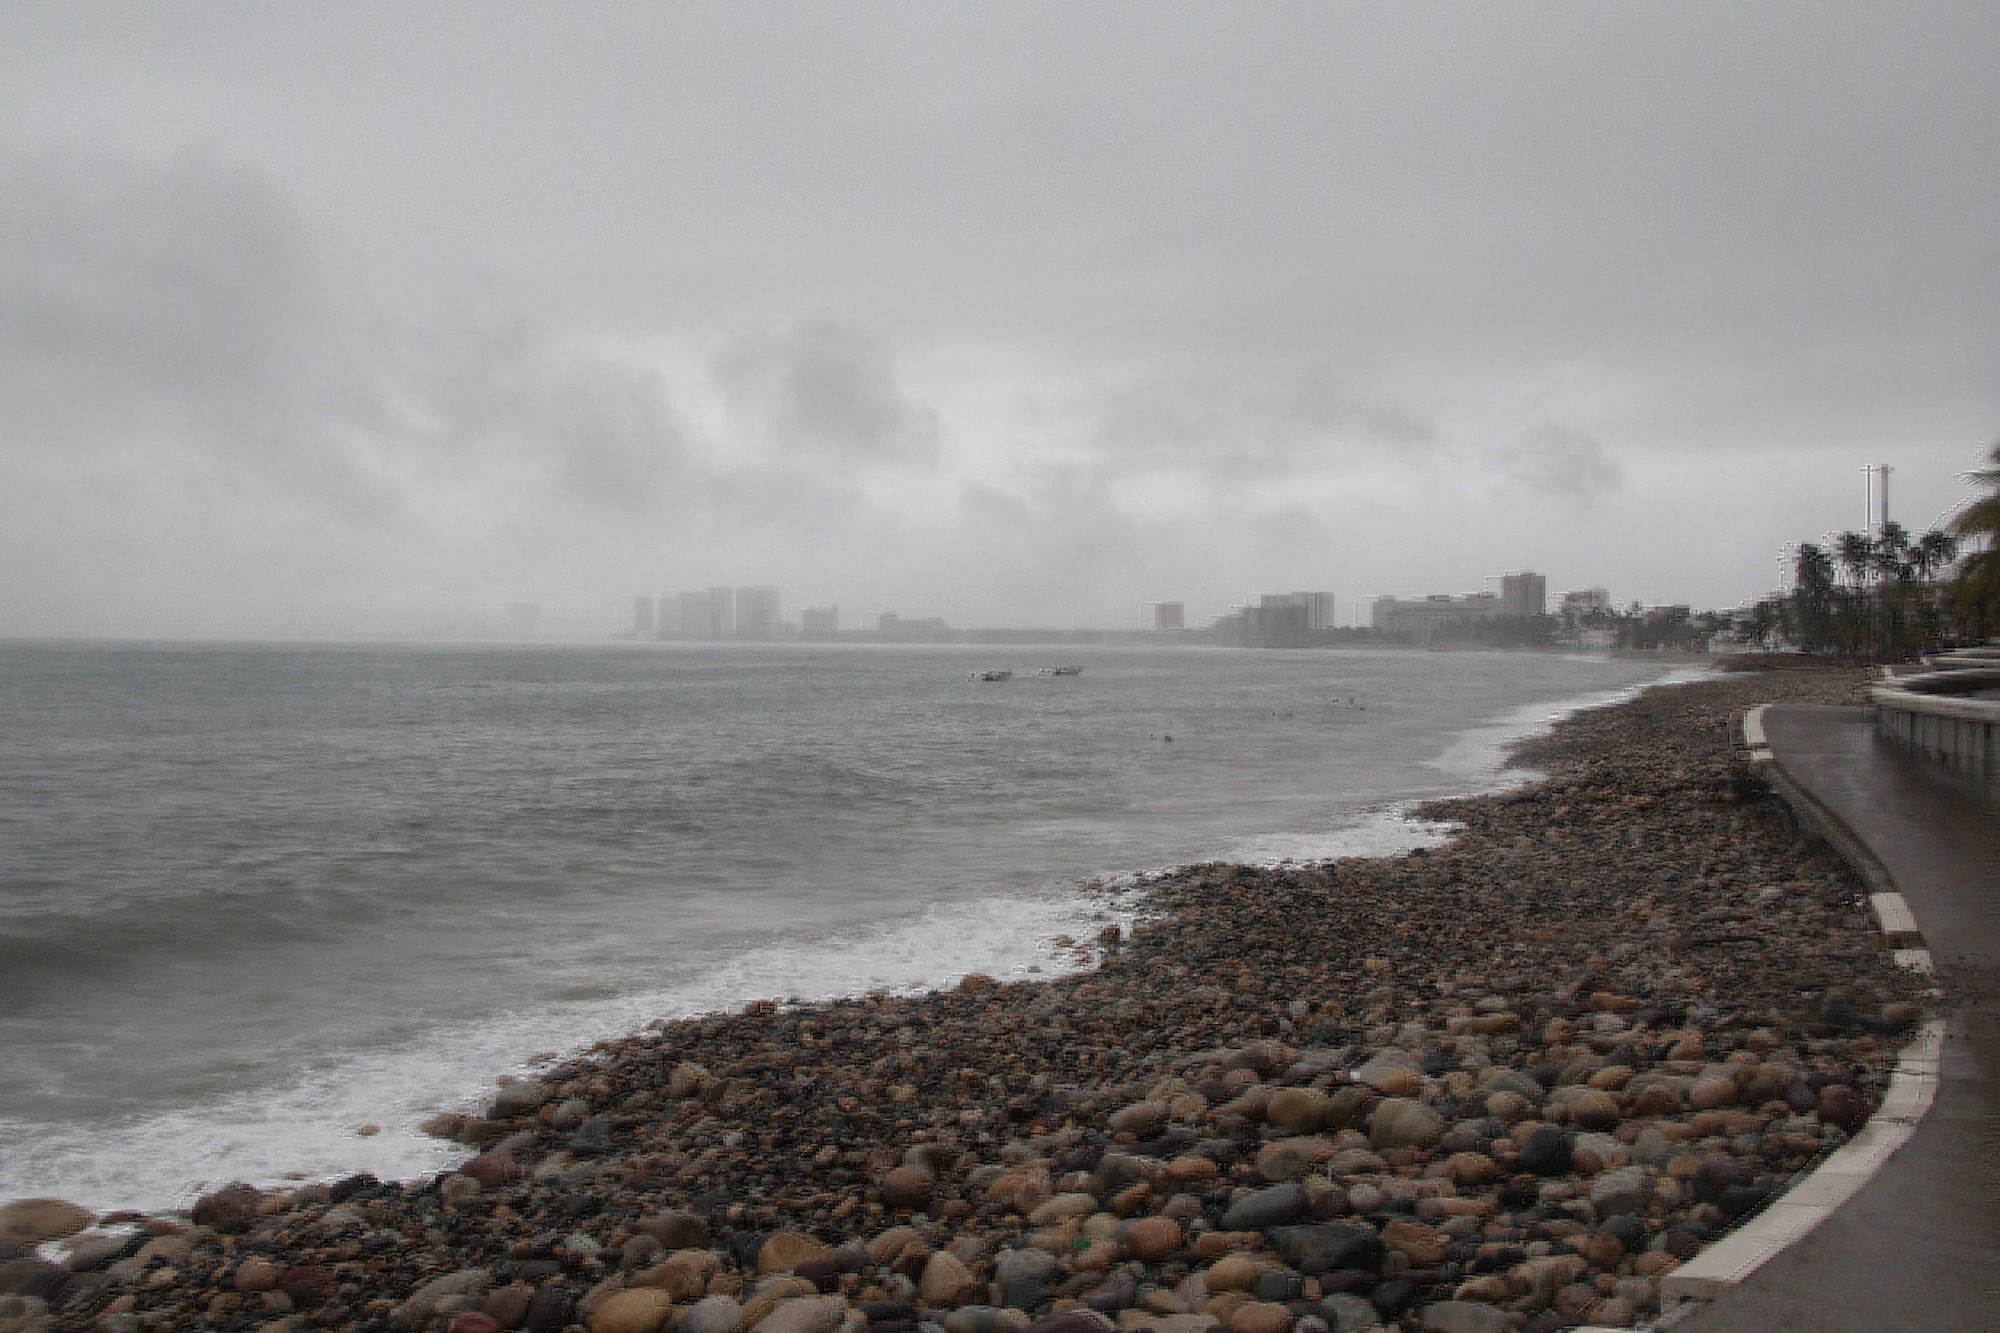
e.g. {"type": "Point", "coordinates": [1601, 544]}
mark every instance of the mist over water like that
{"type": "Point", "coordinates": [255, 898]}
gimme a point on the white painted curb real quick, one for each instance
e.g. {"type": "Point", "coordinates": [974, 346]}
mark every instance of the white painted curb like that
{"type": "Point", "coordinates": [1720, 1268]}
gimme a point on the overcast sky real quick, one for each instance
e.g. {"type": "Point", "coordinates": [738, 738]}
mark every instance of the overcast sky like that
{"type": "Point", "coordinates": [369, 319]}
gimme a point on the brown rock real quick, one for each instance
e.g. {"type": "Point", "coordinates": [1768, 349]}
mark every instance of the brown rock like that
{"type": "Point", "coordinates": [492, 1169]}
{"type": "Point", "coordinates": [946, 1281]}
{"type": "Point", "coordinates": [1424, 1245]}
{"type": "Point", "coordinates": [1470, 1169]}
{"type": "Point", "coordinates": [309, 1284]}
{"type": "Point", "coordinates": [687, 1080]}
{"type": "Point", "coordinates": [1025, 1189]}
{"type": "Point", "coordinates": [231, 1208]}
{"type": "Point", "coordinates": [1288, 1159]}
{"type": "Point", "coordinates": [255, 1274]}
{"type": "Point", "coordinates": [1390, 1073]}
{"type": "Point", "coordinates": [888, 1247]}
{"type": "Point", "coordinates": [1296, 1110]}
{"type": "Point", "coordinates": [1594, 1110]}
{"type": "Point", "coordinates": [1399, 1123]}
{"type": "Point", "coordinates": [1071, 1321]}
{"type": "Point", "coordinates": [1843, 1106]}
{"type": "Point", "coordinates": [1140, 1118]}
{"type": "Point", "coordinates": [507, 1306]}
{"type": "Point", "coordinates": [685, 1274]}
{"type": "Point", "coordinates": [675, 1230]}
{"type": "Point", "coordinates": [784, 1251]}
{"type": "Point", "coordinates": [906, 1187]}
{"type": "Point", "coordinates": [34, 1221]}
{"type": "Point", "coordinates": [1603, 1251]}
{"type": "Point", "coordinates": [639, 1310]}
{"type": "Point", "coordinates": [804, 1314]}
{"type": "Point", "coordinates": [1711, 1091]}
{"type": "Point", "coordinates": [1151, 1239]}
{"type": "Point", "coordinates": [1062, 1207]}
{"type": "Point", "coordinates": [1767, 1082]}
{"type": "Point", "coordinates": [1259, 1317]}
{"type": "Point", "coordinates": [1189, 1170]}
{"type": "Point", "coordinates": [1235, 1272]}
{"type": "Point", "coordinates": [1657, 1099]}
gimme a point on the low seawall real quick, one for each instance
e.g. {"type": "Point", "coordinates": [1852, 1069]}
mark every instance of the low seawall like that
{"type": "Point", "coordinates": [1951, 717]}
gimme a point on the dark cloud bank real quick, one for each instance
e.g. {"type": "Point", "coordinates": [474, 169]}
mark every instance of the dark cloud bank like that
{"type": "Point", "coordinates": [1017, 315]}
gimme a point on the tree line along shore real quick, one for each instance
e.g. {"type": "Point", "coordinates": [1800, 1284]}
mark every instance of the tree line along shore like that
{"type": "Point", "coordinates": [1506, 1084]}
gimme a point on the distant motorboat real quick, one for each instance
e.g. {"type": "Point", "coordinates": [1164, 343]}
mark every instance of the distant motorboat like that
{"type": "Point", "coordinates": [1002, 674]}
{"type": "Point", "coordinates": [1061, 671]}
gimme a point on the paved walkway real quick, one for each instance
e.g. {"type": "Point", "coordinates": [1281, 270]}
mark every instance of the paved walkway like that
{"type": "Point", "coordinates": [1918, 1247]}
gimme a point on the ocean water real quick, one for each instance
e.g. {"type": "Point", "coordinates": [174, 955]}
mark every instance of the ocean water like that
{"type": "Point", "coordinates": [263, 909]}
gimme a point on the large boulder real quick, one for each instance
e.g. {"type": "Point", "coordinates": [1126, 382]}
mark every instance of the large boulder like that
{"type": "Point", "coordinates": [33, 1221]}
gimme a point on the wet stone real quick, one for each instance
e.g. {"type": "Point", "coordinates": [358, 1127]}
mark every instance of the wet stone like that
{"type": "Point", "coordinates": [1272, 1207]}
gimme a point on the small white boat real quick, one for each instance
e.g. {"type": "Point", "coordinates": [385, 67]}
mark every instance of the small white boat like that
{"type": "Point", "coordinates": [1065, 671]}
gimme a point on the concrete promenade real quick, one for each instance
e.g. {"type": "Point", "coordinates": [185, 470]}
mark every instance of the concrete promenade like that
{"type": "Point", "coordinates": [1918, 1246]}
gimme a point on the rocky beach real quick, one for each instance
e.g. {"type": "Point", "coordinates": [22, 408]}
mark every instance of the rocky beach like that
{"type": "Point", "coordinates": [1509, 1083]}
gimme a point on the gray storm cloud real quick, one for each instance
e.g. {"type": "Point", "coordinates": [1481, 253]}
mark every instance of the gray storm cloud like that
{"type": "Point", "coordinates": [828, 387]}
{"type": "Point", "coordinates": [1556, 460]}
{"type": "Point", "coordinates": [370, 309]}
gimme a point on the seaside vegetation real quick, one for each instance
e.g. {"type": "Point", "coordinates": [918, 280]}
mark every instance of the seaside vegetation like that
{"type": "Point", "coordinates": [1890, 594]}
{"type": "Point", "coordinates": [1976, 591]}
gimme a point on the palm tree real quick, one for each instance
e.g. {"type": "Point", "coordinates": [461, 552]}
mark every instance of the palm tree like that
{"type": "Point", "coordinates": [1933, 551]}
{"type": "Point", "coordinates": [1976, 592]}
{"type": "Point", "coordinates": [1812, 598]}
{"type": "Point", "coordinates": [1855, 553]}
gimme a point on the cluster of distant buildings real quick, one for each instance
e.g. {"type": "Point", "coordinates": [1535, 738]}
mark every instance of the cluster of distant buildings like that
{"type": "Point", "coordinates": [1299, 619]}
{"type": "Point", "coordinates": [1456, 615]}
{"type": "Point", "coordinates": [1518, 613]}
{"type": "Point", "coordinates": [722, 613]}
{"type": "Point", "coordinates": [1278, 620]}
{"type": "Point", "coordinates": [756, 615]}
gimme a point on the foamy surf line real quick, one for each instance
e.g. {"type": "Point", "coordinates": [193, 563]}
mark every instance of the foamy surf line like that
{"type": "Point", "coordinates": [362, 1113]}
{"type": "Point", "coordinates": [1479, 754]}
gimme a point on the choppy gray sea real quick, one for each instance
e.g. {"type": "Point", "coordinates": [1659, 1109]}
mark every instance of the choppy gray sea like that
{"type": "Point", "coordinates": [255, 900]}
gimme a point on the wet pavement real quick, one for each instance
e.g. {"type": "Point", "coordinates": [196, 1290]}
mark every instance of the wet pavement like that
{"type": "Point", "coordinates": [1918, 1247]}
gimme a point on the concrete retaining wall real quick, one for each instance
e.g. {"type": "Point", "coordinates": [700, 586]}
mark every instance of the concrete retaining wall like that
{"type": "Point", "coordinates": [1951, 717]}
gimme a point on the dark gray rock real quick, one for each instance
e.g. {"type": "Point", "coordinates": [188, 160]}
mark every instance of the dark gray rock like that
{"type": "Point", "coordinates": [1273, 1207]}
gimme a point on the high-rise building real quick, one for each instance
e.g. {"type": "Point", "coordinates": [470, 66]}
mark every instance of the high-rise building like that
{"type": "Point", "coordinates": [642, 617]}
{"type": "Point", "coordinates": [1442, 615]}
{"type": "Point", "coordinates": [721, 612]}
{"type": "Point", "coordinates": [819, 622]}
{"type": "Point", "coordinates": [1581, 602]}
{"type": "Point", "coordinates": [1169, 616]}
{"type": "Point", "coordinates": [694, 620]}
{"type": "Point", "coordinates": [1288, 617]}
{"type": "Point", "coordinates": [757, 613]}
{"type": "Point", "coordinates": [1524, 594]}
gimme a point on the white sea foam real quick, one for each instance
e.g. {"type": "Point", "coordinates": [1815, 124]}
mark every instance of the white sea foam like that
{"type": "Point", "coordinates": [1478, 755]}
{"type": "Point", "coordinates": [1390, 831]}
{"type": "Point", "coordinates": [310, 1129]}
